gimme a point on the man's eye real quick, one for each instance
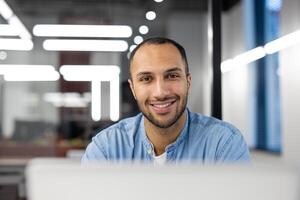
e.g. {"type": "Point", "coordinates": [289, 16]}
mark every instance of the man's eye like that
{"type": "Point", "coordinates": [145, 79]}
{"type": "Point", "coordinates": [172, 76]}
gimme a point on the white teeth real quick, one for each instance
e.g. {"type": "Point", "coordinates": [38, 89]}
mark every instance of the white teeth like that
{"type": "Point", "coordinates": [162, 105]}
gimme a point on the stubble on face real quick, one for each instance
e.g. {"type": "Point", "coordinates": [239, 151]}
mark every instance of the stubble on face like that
{"type": "Point", "coordinates": [161, 120]}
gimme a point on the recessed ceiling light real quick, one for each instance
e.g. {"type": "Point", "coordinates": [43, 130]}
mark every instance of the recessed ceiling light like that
{"type": "Point", "coordinates": [138, 39]}
{"type": "Point", "coordinates": [150, 15]}
{"type": "Point", "coordinates": [143, 29]}
{"type": "Point", "coordinates": [132, 47]}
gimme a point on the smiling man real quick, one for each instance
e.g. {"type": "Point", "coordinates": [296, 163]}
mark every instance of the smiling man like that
{"type": "Point", "coordinates": [165, 130]}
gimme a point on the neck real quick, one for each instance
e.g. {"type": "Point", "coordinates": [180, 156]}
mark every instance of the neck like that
{"type": "Point", "coordinates": [162, 137]}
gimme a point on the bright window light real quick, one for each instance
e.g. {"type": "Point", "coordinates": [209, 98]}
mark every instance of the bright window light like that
{"type": "Point", "coordinates": [150, 15]}
{"type": "Point", "coordinates": [283, 42]}
{"type": "Point", "coordinates": [47, 30]}
{"type": "Point", "coordinates": [227, 65]}
{"type": "Point", "coordinates": [19, 26]}
{"type": "Point", "coordinates": [85, 45]}
{"type": "Point", "coordinates": [132, 47]}
{"type": "Point", "coordinates": [143, 29]}
{"type": "Point", "coordinates": [250, 56]}
{"type": "Point", "coordinates": [16, 44]}
{"type": "Point", "coordinates": [243, 59]}
{"type": "Point", "coordinates": [8, 30]}
{"type": "Point", "coordinates": [96, 100]}
{"type": "Point", "coordinates": [5, 10]}
{"type": "Point", "coordinates": [29, 73]}
{"type": "Point", "coordinates": [138, 39]}
{"type": "Point", "coordinates": [158, 1]}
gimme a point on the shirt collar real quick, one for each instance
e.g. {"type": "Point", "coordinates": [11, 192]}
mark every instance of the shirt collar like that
{"type": "Point", "coordinates": [179, 140]}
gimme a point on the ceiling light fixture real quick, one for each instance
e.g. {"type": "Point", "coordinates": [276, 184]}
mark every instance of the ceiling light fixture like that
{"type": "Point", "coordinates": [243, 59]}
{"type": "Point", "coordinates": [16, 44]}
{"type": "Point", "coordinates": [96, 74]}
{"type": "Point", "coordinates": [59, 30]}
{"type": "Point", "coordinates": [5, 10]}
{"type": "Point", "coordinates": [132, 47]}
{"type": "Point", "coordinates": [29, 73]}
{"type": "Point", "coordinates": [8, 30]}
{"type": "Point", "coordinates": [150, 15]}
{"type": "Point", "coordinates": [143, 29]}
{"type": "Point", "coordinates": [15, 22]}
{"type": "Point", "coordinates": [85, 45]}
{"type": "Point", "coordinates": [138, 39]}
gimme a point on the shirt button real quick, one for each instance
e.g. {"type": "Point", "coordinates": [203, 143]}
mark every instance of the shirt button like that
{"type": "Point", "coordinates": [149, 151]}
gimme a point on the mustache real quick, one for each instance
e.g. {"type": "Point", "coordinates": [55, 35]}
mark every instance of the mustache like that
{"type": "Point", "coordinates": [163, 99]}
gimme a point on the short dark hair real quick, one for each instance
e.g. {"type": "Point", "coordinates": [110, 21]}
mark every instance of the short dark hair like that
{"type": "Point", "coordinates": [162, 40]}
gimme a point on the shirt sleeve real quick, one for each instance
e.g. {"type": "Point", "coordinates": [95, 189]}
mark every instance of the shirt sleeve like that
{"type": "Point", "coordinates": [94, 152]}
{"type": "Point", "coordinates": [234, 150]}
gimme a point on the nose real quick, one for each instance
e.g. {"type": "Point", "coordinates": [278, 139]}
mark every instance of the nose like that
{"type": "Point", "coordinates": [160, 89]}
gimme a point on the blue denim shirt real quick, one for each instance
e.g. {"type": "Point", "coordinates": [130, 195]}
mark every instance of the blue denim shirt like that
{"type": "Point", "coordinates": [203, 139]}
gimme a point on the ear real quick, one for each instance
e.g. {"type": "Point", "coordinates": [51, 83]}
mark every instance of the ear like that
{"type": "Point", "coordinates": [131, 88]}
{"type": "Point", "coordinates": [189, 80]}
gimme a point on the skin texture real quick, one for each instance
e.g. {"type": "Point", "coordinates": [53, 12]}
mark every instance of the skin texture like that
{"type": "Point", "coordinates": [160, 86]}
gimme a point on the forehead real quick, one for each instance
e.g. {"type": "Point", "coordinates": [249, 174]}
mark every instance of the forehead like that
{"type": "Point", "coordinates": [156, 57]}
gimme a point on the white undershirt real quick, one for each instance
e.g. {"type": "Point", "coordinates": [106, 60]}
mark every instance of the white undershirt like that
{"type": "Point", "coordinates": [161, 159]}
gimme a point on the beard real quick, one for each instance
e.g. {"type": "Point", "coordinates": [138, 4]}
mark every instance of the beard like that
{"type": "Point", "coordinates": [160, 124]}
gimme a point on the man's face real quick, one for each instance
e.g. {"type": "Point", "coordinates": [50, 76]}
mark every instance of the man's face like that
{"type": "Point", "coordinates": [159, 83]}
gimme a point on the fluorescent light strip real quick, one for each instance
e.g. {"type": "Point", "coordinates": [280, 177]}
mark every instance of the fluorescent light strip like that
{"type": "Point", "coordinates": [243, 59]}
{"type": "Point", "coordinates": [8, 30]}
{"type": "Point", "coordinates": [5, 10]}
{"type": "Point", "coordinates": [59, 30]}
{"type": "Point", "coordinates": [283, 42]}
{"type": "Point", "coordinates": [19, 26]}
{"type": "Point", "coordinates": [21, 76]}
{"type": "Point", "coordinates": [96, 100]}
{"type": "Point", "coordinates": [259, 52]}
{"type": "Point", "coordinates": [70, 99]}
{"type": "Point", "coordinates": [29, 73]}
{"type": "Point", "coordinates": [85, 45]}
{"type": "Point", "coordinates": [115, 99]}
{"type": "Point", "coordinates": [250, 56]}
{"type": "Point", "coordinates": [16, 44]}
{"type": "Point", "coordinates": [96, 74]}
{"type": "Point", "coordinates": [89, 72]}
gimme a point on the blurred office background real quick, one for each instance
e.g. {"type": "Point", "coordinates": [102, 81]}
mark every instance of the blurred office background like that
{"type": "Point", "coordinates": [46, 111]}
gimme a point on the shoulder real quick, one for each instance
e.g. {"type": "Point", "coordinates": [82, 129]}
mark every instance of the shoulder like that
{"type": "Point", "coordinates": [215, 127]}
{"type": "Point", "coordinates": [224, 139]}
{"type": "Point", "coordinates": [109, 142]}
{"type": "Point", "coordinates": [125, 128]}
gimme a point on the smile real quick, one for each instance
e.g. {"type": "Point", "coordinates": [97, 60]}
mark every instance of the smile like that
{"type": "Point", "coordinates": [163, 107]}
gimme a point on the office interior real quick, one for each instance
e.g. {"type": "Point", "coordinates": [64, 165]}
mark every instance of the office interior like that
{"type": "Point", "coordinates": [242, 56]}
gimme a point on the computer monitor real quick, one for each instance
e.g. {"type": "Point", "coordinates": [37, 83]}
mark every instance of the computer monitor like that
{"type": "Point", "coordinates": [63, 180]}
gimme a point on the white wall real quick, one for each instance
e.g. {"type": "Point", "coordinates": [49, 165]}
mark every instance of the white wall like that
{"type": "Point", "coordinates": [290, 84]}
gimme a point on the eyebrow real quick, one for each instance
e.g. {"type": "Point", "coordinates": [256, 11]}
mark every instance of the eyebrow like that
{"type": "Point", "coordinates": [175, 69]}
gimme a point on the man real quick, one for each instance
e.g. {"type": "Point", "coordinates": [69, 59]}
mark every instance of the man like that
{"type": "Point", "coordinates": [165, 130]}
